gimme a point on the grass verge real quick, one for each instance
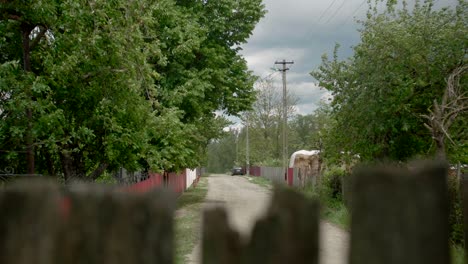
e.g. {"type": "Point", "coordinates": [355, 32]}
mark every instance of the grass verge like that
{"type": "Point", "coordinates": [458, 255]}
{"type": "Point", "coordinates": [333, 211]}
{"type": "Point", "coordinates": [264, 182]}
{"type": "Point", "coordinates": [188, 220]}
{"type": "Point", "coordinates": [337, 214]}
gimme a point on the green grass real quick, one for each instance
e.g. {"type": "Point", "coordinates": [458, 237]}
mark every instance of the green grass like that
{"type": "Point", "coordinates": [458, 255]}
{"type": "Point", "coordinates": [187, 225]}
{"type": "Point", "coordinates": [264, 182]}
{"type": "Point", "coordinates": [333, 211]}
{"type": "Point", "coordinates": [338, 214]}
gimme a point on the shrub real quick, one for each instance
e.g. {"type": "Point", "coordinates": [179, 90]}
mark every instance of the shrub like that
{"type": "Point", "coordinates": [456, 213]}
{"type": "Point", "coordinates": [331, 184]}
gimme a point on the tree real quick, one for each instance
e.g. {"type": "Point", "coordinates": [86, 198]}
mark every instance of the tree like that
{"type": "Point", "coordinates": [199, 68]}
{"type": "Point", "coordinates": [310, 131]}
{"type": "Point", "coordinates": [222, 153]}
{"type": "Point", "coordinates": [120, 83]}
{"type": "Point", "coordinates": [397, 71]}
{"type": "Point", "coordinates": [454, 102]}
{"type": "Point", "coordinates": [28, 29]}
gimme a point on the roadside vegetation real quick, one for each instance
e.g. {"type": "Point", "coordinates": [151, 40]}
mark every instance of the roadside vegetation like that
{"type": "Point", "coordinates": [262, 181]}
{"type": "Point", "coordinates": [188, 220]}
{"type": "Point", "coordinates": [335, 206]}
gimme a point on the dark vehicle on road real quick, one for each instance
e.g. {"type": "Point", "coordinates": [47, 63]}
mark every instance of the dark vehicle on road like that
{"type": "Point", "coordinates": [237, 171]}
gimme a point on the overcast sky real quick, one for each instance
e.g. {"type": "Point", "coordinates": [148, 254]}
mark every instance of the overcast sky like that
{"type": "Point", "coordinates": [302, 31]}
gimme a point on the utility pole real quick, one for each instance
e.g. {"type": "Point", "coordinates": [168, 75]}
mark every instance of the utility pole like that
{"type": "Point", "coordinates": [247, 146]}
{"type": "Point", "coordinates": [236, 133]}
{"type": "Point", "coordinates": [285, 112]}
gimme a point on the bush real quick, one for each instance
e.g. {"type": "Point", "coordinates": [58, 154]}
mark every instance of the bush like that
{"type": "Point", "coordinates": [331, 184]}
{"type": "Point", "coordinates": [456, 213]}
{"type": "Point", "coordinates": [106, 178]}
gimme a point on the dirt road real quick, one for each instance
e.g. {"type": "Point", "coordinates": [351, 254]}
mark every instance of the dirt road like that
{"type": "Point", "coordinates": [245, 202]}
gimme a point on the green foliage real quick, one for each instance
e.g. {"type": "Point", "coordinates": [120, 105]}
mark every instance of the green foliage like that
{"type": "Point", "coordinates": [270, 163]}
{"type": "Point", "coordinates": [456, 212]}
{"type": "Point", "coordinates": [222, 153]}
{"type": "Point", "coordinates": [113, 84]}
{"type": "Point", "coordinates": [331, 184]}
{"type": "Point", "coordinates": [264, 182]}
{"type": "Point", "coordinates": [329, 192]}
{"type": "Point", "coordinates": [106, 178]}
{"type": "Point", "coordinates": [338, 214]}
{"type": "Point", "coordinates": [458, 254]}
{"type": "Point", "coordinates": [397, 71]}
{"type": "Point", "coordinates": [310, 131]}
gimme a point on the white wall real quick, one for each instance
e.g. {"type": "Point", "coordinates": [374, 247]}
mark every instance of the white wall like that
{"type": "Point", "coordinates": [191, 176]}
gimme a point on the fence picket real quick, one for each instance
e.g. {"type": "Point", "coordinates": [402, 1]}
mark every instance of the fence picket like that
{"type": "Point", "coordinates": [288, 233]}
{"type": "Point", "coordinates": [28, 223]}
{"type": "Point", "coordinates": [400, 216]}
{"type": "Point", "coordinates": [221, 244]}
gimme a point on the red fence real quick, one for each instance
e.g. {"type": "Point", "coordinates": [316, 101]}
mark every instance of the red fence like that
{"type": "Point", "coordinates": [290, 176]}
{"type": "Point", "coordinates": [255, 171]}
{"type": "Point", "coordinates": [174, 181]}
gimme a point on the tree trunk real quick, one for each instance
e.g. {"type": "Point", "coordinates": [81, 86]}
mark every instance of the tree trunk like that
{"type": "Point", "coordinates": [98, 171]}
{"type": "Point", "coordinates": [440, 145]}
{"type": "Point", "coordinates": [72, 165]}
{"type": "Point", "coordinates": [50, 164]}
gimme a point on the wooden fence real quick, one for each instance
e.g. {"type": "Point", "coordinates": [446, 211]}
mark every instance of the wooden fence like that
{"type": "Point", "coordinates": [398, 216]}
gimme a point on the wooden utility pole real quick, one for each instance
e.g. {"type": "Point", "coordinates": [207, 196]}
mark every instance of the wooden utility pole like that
{"type": "Point", "coordinates": [247, 166]}
{"type": "Point", "coordinates": [285, 113]}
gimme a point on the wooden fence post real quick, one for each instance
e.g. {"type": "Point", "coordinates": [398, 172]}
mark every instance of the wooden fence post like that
{"type": "Point", "coordinates": [288, 233]}
{"type": "Point", "coordinates": [400, 216]}
{"type": "Point", "coordinates": [104, 226]}
{"type": "Point", "coordinates": [28, 222]}
{"type": "Point", "coordinates": [464, 194]}
{"type": "Point", "coordinates": [221, 244]}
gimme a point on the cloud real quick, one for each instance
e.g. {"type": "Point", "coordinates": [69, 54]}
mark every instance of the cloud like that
{"type": "Point", "coordinates": [302, 31]}
{"type": "Point", "coordinates": [309, 94]}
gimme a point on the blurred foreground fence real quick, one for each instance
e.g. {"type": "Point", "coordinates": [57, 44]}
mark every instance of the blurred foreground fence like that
{"type": "Point", "coordinates": [399, 216]}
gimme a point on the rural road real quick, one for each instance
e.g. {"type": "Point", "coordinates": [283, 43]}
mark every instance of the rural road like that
{"type": "Point", "coordinates": [245, 202]}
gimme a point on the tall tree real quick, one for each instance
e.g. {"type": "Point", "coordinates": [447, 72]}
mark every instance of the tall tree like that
{"type": "Point", "coordinates": [26, 31]}
{"type": "Point", "coordinates": [119, 83]}
{"type": "Point", "coordinates": [397, 72]}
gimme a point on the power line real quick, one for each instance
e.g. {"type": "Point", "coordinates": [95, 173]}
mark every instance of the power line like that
{"type": "Point", "coordinates": [357, 9]}
{"type": "Point", "coordinates": [266, 77]}
{"type": "Point", "coordinates": [326, 10]}
{"type": "Point", "coordinates": [336, 12]}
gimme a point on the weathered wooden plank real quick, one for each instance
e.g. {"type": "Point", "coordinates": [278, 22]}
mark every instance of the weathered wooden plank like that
{"type": "Point", "coordinates": [288, 233]}
{"type": "Point", "coordinates": [400, 216]}
{"type": "Point", "coordinates": [120, 228]}
{"type": "Point", "coordinates": [28, 222]}
{"type": "Point", "coordinates": [220, 243]}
